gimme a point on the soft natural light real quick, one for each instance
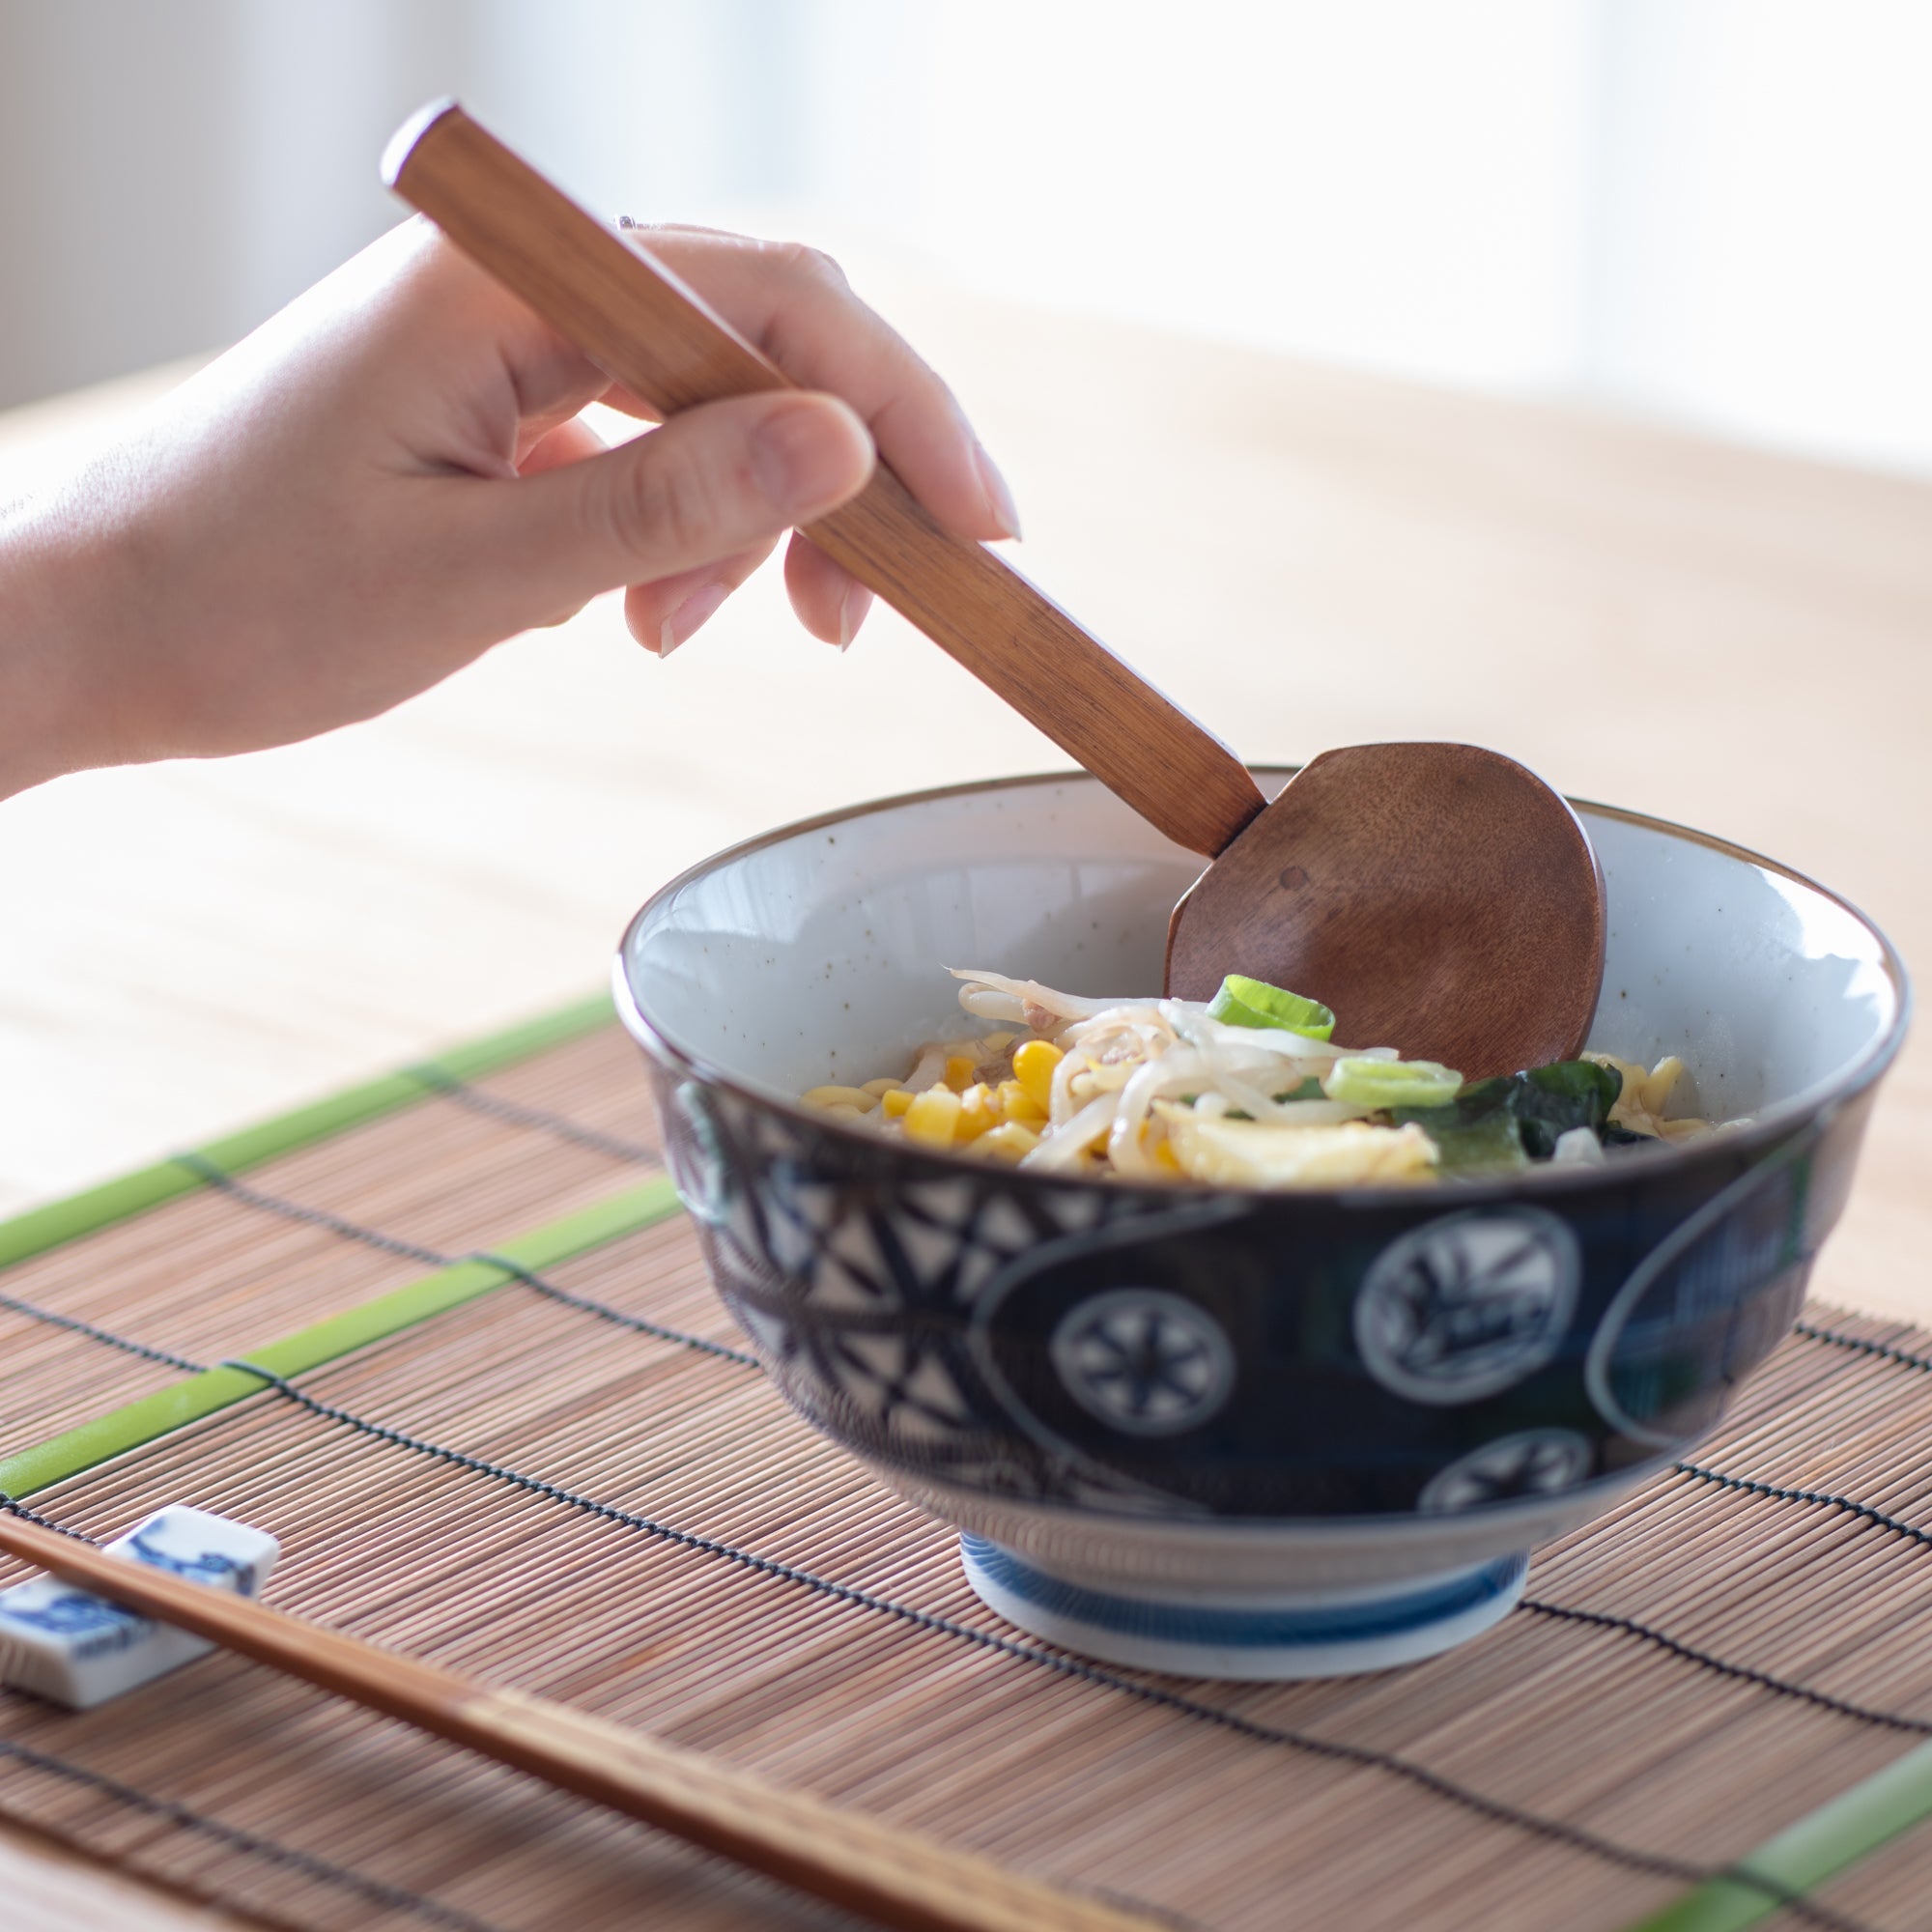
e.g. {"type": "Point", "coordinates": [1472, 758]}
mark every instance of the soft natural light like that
{"type": "Point", "coordinates": [1708, 210]}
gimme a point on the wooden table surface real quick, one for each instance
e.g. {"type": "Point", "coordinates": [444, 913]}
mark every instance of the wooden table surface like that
{"type": "Point", "coordinates": [1736, 641]}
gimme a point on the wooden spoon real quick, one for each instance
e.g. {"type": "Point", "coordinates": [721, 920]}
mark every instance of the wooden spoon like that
{"type": "Point", "coordinates": [1440, 897]}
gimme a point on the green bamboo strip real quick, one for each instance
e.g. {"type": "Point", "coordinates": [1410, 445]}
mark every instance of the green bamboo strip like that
{"type": "Point", "coordinates": [40, 1229]}
{"type": "Point", "coordinates": [1838, 1834]}
{"type": "Point", "coordinates": [197, 1397]}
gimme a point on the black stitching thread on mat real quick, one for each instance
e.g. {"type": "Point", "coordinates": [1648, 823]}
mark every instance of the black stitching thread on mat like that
{"type": "Point", "coordinates": [1743, 1673]}
{"type": "Point", "coordinates": [1628, 1626]}
{"type": "Point", "coordinates": [217, 1176]}
{"type": "Point", "coordinates": [530, 1279]}
{"type": "Point", "coordinates": [1748, 1486]}
{"type": "Point", "coordinates": [39, 1521]}
{"type": "Point", "coordinates": [221, 1178]}
{"type": "Point", "coordinates": [516, 1114]}
{"type": "Point", "coordinates": [179, 1814]}
{"type": "Point", "coordinates": [391, 1897]}
{"type": "Point", "coordinates": [1574, 1837]}
{"type": "Point", "coordinates": [76, 1326]}
{"type": "Point", "coordinates": [194, 1821]}
{"type": "Point", "coordinates": [258, 1198]}
{"type": "Point", "coordinates": [1858, 1344]}
{"type": "Point", "coordinates": [1631, 1627]}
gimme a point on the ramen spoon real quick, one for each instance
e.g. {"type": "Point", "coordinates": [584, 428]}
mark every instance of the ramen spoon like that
{"type": "Point", "coordinates": [1439, 898]}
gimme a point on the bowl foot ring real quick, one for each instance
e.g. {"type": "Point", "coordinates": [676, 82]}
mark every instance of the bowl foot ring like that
{"type": "Point", "coordinates": [1254, 1639]}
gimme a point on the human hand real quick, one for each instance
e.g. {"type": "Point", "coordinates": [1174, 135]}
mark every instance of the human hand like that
{"type": "Point", "coordinates": [389, 478]}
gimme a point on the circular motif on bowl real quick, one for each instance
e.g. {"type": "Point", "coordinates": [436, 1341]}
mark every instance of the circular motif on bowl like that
{"type": "Point", "coordinates": [1144, 1361]}
{"type": "Point", "coordinates": [1707, 1304]}
{"type": "Point", "coordinates": [1468, 1305]}
{"type": "Point", "coordinates": [1537, 1462]}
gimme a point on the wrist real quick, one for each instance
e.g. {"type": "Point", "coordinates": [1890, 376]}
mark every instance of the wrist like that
{"type": "Point", "coordinates": [49, 591]}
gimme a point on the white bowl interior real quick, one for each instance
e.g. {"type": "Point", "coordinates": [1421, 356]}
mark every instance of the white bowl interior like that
{"type": "Point", "coordinates": [821, 954]}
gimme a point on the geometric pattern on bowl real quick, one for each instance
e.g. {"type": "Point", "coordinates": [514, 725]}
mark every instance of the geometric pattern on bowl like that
{"type": "Point", "coordinates": [1124, 1383]}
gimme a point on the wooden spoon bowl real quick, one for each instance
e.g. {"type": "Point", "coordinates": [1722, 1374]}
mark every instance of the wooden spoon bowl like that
{"type": "Point", "coordinates": [1439, 898]}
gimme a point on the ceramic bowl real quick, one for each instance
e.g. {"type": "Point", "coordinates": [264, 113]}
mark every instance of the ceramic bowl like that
{"type": "Point", "coordinates": [1229, 1432]}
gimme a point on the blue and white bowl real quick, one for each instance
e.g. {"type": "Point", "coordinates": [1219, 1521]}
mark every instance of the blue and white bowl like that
{"type": "Point", "coordinates": [1210, 1431]}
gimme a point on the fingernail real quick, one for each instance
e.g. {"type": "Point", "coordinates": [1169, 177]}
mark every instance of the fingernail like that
{"type": "Point", "coordinates": [852, 609]}
{"type": "Point", "coordinates": [803, 461]}
{"type": "Point", "coordinates": [999, 499]}
{"type": "Point", "coordinates": [689, 615]}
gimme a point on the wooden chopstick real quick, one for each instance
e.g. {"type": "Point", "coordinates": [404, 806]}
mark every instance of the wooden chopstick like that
{"type": "Point", "coordinates": [891, 1877]}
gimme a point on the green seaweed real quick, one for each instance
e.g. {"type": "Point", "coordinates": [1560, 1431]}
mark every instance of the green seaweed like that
{"type": "Point", "coordinates": [1548, 1102]}
{"type": "Point", "coordinates": [1499, 1124]}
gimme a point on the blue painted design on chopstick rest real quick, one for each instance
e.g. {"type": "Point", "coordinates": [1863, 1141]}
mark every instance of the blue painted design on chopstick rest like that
{"type": "Point", "coordinates": [149, 1543]}
{"type": "Point", "coordinates": [88, 1625]}
{"type": "Point", "coordinates": [79, 1650]}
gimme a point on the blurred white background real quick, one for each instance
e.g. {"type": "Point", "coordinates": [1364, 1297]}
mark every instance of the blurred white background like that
{"type": "Point", "coordinates": [1713, 211]}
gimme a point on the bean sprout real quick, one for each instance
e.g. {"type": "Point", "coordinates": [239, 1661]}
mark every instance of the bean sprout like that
{"type": "Point", "coordinates": [1151, 1089]}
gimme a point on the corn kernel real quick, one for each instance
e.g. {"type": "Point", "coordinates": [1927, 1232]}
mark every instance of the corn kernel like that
{"type": "Point", "coordinates": [855, 1097]}
{"type": "Point", "coordinates": [878, 1088]}
{"type": "Point", "coordinates": [959, 1071]}
{"type": "Point", "coordinates": [933, 1117]}
{"type": "Point", "coordinates": [979, 1113]}
{"type": "Point", "coordinates": [1166, 1160]}
{"type": "Point", "coordinates": [1033, 1069]}
{"type": "Point", "coordinates": [895, 1101]}
{"type": "Point", "coordinates": [1017, 1105]}
{"type": "Point", "coordinates": [1009, 1141]}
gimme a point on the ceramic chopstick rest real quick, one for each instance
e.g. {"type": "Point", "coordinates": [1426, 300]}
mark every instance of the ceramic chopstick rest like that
{"type": "Point", "coordinates": [76, 1649]}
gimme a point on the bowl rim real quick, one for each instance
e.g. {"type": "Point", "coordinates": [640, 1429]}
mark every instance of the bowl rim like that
{"type": "Point", "coordinates": [1763, 1132]}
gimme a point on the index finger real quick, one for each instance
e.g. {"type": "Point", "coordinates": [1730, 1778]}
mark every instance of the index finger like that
{"type": "Point", "coordinates": [795, 304]}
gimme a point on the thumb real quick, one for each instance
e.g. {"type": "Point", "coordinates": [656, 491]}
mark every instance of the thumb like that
{"type": "Point", "coordinates": [712, 483]}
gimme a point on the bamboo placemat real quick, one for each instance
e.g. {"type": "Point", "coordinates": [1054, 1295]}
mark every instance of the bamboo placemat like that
{"type": "Point", "coordinates": [499, 1420]}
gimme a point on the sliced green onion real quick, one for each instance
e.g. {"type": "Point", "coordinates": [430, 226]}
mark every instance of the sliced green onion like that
{"type": "Point", "coordinates": [1391, 1083]}
{"type": "Point", "coordinates": [1253, 1002]}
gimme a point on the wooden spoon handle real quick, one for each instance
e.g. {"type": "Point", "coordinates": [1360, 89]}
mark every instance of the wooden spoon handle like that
{"type": "Point", "coordinates": [642, 325]}
{"type": "Point", "coordinates": [891, 1877]}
